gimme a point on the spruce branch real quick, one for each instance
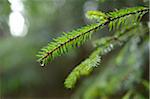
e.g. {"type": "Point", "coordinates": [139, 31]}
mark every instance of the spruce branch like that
{"type": "Point", "coordinates": [83, 69]}
{"type": "Point", "coordinates": [119, 37]}
{"type": "Point", "coordinates": [77, 37]}
{"type": "Point", "coordinates": [103, 46]}
{"type": "Point", "coordinates": [96, 15]}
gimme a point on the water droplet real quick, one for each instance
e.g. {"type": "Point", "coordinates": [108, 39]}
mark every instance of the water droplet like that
{"type": "Point", "coordinates": [42, 63]}
{"type": "Point", "coordinates": [105, 51]}
{"type": "Point", "coordinates": [108, 49]}
{"type": "Point", "coordinates": [111, 46]}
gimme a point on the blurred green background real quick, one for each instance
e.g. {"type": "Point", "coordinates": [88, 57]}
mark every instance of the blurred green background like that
{"type": "Point", "coordinates": [28, 25]}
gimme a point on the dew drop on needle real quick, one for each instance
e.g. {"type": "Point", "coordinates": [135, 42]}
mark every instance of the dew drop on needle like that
{"type": "Point", "coordinates": [42, 63]}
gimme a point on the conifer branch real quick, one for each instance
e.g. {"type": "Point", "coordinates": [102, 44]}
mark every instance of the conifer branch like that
{"type": "Point", "coordinates": [77, 37]}
{"type": "Point", "coordinates": [103, 46]}
{"type": "Point", "coordinates": [83, 69]}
